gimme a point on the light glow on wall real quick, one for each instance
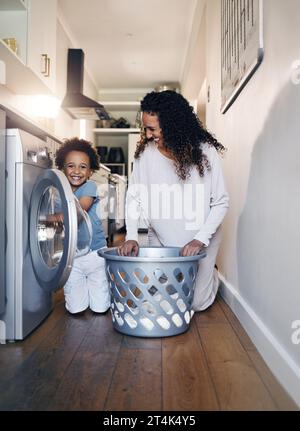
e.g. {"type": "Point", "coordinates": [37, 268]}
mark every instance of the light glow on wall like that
{"type": "Point", "coordinates": [39, 106]}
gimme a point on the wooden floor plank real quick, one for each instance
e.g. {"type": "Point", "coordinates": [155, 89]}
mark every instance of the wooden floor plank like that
{"type": "Point", "coordinates": [13, 354]}
{"type": "Point", "coordinates": [238, 385]}
{"type": "Point", "coordinates": [136, 383]}
{"type": "Point", "coordinates": [86, 382]}
{"type": "Point", "coordinates": [281, 398]}
{"type": "Point", "coordinates": [279, 395]}
{"type": "Point", "coordinates": [187, 384]}
{"type": "Point", "coordinates": [237, 327]}
{"type": "Point", "coordinates": [36, 380]}
{"type": "Point", "coordinates": [213, 314]}
{"type": "Point", "coordinates": [141, 343]}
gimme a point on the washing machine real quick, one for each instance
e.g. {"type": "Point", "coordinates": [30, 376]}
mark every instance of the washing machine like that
{"type": "Point", "coordinates": [42, 221]}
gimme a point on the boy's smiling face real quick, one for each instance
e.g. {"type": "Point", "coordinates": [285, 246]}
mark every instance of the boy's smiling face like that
{"type": "Point", "coordinates": [77, 168]}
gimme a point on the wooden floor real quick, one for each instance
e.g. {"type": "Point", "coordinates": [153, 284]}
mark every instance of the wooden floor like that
{"type": "Point", "coordinates": [81, 363]}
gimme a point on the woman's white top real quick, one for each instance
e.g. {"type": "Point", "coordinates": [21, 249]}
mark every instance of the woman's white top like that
{"type": "Point", "coordinates": [177, 211]}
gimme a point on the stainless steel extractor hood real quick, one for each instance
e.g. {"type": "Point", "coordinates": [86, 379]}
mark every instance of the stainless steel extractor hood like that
{"type": "Point", "coordinates": [75, 103]}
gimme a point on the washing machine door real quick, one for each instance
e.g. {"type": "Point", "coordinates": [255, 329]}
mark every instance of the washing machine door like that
{"type": "Point", "coordinates": [60, 230]}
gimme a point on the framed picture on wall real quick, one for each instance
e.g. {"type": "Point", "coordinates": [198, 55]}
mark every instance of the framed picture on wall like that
{"type": "Point", "coordinates": [241, 46]}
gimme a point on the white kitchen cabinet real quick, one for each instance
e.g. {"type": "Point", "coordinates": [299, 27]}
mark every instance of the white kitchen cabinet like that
{"type": "Point", "coordinates": [13, 28]}
{"type": "Point", "coordinates": [15, 74]}
{"type": "Point", "coordinates": [28, 44]}
{"type": "Point", "coordinates": [41, 50]}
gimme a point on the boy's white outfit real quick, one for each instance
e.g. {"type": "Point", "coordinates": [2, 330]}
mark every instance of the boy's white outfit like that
{"type": "Point", "coordinates": [87, 285]}
{"type": "Point", "coordinates": [157, 194]}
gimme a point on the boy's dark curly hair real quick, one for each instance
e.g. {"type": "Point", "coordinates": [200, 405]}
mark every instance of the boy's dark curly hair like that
{"type": "Point", "coordinates": [76, 144]}
{"type": "Point", "coordinates": [182, 131]}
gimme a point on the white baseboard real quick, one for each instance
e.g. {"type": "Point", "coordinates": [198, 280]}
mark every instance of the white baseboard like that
{"type": "Point", "coordinates": [285, 369]}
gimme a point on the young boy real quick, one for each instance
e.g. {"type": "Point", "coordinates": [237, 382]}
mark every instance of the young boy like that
{"type": "Point", "coordinates": [87, 285]}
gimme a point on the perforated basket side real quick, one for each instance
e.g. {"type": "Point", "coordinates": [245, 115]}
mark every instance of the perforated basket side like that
{"type": "Point", "coordinates": [151, 299]}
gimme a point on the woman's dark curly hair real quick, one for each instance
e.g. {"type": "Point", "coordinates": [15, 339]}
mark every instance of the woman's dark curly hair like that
{"type": "Point", "coordinates": [182, 131]}
{"type": "Point", "coordinates": [76, 144]}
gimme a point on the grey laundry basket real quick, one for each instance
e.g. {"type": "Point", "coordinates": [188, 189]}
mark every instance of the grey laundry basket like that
{"type": "Point", "coordinates": [151, 294]}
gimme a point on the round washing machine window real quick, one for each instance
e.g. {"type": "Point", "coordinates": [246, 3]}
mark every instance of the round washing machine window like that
{"type": "Point", "coordinates": [60, 229]}
{"type": "Point", "coordinates": [50, 227]}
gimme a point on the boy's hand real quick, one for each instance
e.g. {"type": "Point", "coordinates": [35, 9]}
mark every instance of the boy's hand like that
{"type": "Point", "coordinates": [55, 218]}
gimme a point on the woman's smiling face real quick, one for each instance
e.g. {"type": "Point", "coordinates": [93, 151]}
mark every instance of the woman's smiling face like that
{"type": "Point", "coordinates": [77, 168]}
{"type": "Point", "coordinates": [152, 129]}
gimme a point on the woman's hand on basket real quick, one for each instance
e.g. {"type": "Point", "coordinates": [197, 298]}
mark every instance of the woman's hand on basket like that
{"type": "Point", "coordinates": [192, 248]}
{"type": "Point", "coordinates": [128, 248]}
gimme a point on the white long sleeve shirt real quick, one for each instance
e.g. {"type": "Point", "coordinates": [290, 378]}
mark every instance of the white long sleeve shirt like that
{"type": "Point", "coordinates": [177, 211]}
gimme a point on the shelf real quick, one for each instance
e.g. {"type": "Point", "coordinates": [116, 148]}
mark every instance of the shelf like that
{"type": "Point", "coordinates": [112, 131]}
{"type": "Point", "coordinates": [111, 166]}
{"type": "Point", "coordinates": [121, 106]}
{"type": "Point", "coordinates": [12, 5]}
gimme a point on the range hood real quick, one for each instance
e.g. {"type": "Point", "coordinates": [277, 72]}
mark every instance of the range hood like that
{"type": "Point", "coordinates": [75, 103]}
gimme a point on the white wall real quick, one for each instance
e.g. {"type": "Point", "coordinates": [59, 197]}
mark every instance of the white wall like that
{"type": "Point", "coordinates": [195, 65]}
{"type": "Point", "coordinates": [259, 256]}
{"type": "Point", "coordinates": [65, 127]}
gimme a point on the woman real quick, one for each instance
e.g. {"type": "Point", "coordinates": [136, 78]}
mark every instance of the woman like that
{"type": "Point", "coordinates": [177, 186]}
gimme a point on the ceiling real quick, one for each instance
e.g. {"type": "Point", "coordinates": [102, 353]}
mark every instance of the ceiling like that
{"type": "Point", "coordinates": [130, 43]}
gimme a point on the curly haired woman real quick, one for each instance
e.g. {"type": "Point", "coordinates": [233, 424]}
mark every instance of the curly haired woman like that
{"type": "Point", "coordinates": [177, 187]}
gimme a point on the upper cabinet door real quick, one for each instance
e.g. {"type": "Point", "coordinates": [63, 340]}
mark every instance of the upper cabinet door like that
{"type": "Point", "coordinates": [41, 54]}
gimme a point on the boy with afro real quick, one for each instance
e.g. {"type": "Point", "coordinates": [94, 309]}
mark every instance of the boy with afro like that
{"type": "Point", "coordinates": [87, 285]}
